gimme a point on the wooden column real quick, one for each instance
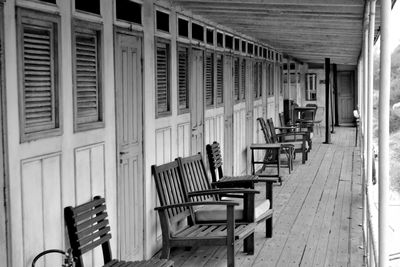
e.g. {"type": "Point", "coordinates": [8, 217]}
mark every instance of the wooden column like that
{"type": "Point", "coordinates": [327, 103]}
{"type": "Point", "coordinates": [384, 108]}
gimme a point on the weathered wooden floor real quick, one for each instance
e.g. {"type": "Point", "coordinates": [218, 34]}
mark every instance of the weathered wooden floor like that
{"type": "Point", "coordinates": [317, 214]}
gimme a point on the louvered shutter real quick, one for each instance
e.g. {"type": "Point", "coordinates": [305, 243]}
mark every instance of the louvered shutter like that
{"type": "Point", "coordinates": [39, 78]}
{"type": "Point", "coordinates": [87, 84]}
{"type": "Point", "coordinates": [260, 80]}
{"type": "Point", "coordinates": [209, 78]}
{"type": "Point", "coordinates": [255, 80]}
{"type": "Point", "coordinates": [220, 80]}
{"type": "Point", "coordinates": [243, 80]}
{"type": "Point", "coordinates": [236, 78]}
{"type": "Point", "coordinates": [183, 78]}
{"type": "Point", "coordinates": [162, 79]}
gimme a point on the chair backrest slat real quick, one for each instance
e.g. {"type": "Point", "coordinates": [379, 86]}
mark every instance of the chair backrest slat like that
{"type": "Point", "coordinates": [194, 176]}
{"type": "Point", "coordinates": [265, 130]}
{"type": "Point", "coordinates": [170, 189]}
{"type": "Point", "coordinates": [271, 129]}
{"type": "Point", "coordinates": [88, 228]}
{"type": "Point", "coordinates": [215, 161]}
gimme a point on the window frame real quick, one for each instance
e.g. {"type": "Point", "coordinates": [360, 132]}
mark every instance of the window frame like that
{"type": "Point", "coordinates": [87, 27]}
{"type": "Point", "coordinates": [169, 111]}
{"type": "Point", "coordinates": [38, 19]}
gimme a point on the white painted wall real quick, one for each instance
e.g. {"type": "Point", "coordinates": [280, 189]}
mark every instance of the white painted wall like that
{"type": "Point", "coordinates": [49, 174]}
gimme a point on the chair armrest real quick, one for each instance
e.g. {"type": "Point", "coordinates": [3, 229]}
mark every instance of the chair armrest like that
{"type": "Point", "coordinates": [223, 191]}
{"type": "Point", "coordinates": [201, 203]}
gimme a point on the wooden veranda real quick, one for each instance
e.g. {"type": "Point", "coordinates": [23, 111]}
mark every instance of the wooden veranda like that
{"type": "Point", "coordinates": [317, 214]}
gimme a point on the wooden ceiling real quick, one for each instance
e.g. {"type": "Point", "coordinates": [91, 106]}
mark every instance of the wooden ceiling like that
{"type": "Point", "coordinates": [308, 30]}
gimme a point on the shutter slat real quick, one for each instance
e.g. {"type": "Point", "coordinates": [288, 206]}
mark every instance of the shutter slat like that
{"type": "Point", "coordinates": [183, 79]}
{"type": "Point", "coordinates": [209, 73]}
{"type": "Point", "coordinates": [220, 79]}
{"type": "Point", "coordinates": [38, 78]}
{"type": "Point", "coordinates": [87, 77]}
{"type": "Point", "coordinates": [162, 82]}
{"type": "Point", "coordinates": [243, 80]}
{"type": "Point", "coordinates": [236, 78]}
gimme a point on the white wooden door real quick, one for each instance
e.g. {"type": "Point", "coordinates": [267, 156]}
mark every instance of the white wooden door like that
{"type": "Point", "coordinates": [128, 77]}
{"type": "Point", "coordinates": [345, 97]}
{"type": "Point", "coordinates": [197, 102]}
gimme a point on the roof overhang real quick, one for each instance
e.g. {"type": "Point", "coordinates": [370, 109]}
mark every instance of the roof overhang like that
{"type": "Point", "coordinates": [308, 30]}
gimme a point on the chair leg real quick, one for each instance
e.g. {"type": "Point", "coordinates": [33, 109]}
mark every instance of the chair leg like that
{"type": "Point", "coordinates": [165, 252]}
{"type": "Point", "coordinates": [230, 253]}
{"type": "Point", "coordinates": [248, 244]}
{"type": "Point", "coordinates": [268, 228]}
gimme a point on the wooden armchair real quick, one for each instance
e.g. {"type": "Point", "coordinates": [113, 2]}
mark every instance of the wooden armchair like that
{"type": "Point", "coordinates": [175, 208]}
{"type": "Point", "coordinates": [271, 156]}
{"type": "Point", "coordinates": [88, 228]}
{"type": "Point", "coordinates": [196, 180]}
{"type": "Point", "coordinates": [300, 140]}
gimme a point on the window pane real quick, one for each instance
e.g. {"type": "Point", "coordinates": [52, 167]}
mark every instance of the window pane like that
{"type": "Point", "coordinates": [92, 6]}
{"type": "Point", "coordinates": [129, 11]}
{"type": "Point", "coordinates": [162, 21]}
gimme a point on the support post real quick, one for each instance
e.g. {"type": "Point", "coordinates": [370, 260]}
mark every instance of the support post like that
{"type": "Point", "coordinates": [384, 157]}
{"type": "Point", "coordinates": [364, 125]}
{"type": "Point", "coordinates": [327, 103]}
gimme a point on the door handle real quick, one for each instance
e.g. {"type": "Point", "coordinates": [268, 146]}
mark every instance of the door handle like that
{"type": "Point", "coordinates": [122, 153]}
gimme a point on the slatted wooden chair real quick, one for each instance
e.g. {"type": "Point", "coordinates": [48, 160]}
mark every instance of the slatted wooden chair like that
{"type": "Point", "coordinates": [88, 228]}
{"type": "Point", "coordinates": [271, 156]}
{"type": "Point", "coordinates": [300, 140]}
{"type": "Point", "coordinates": [196, 180]}
{"type": "Point", "coordinates": [175, 208]}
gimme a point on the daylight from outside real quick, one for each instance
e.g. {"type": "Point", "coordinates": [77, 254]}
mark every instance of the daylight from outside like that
{"type": "Point", "coordinates": [394, 223]}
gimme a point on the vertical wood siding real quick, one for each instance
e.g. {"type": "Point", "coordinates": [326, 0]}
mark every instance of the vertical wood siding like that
{"type": "Point", "coordinates": [89, 181]}
{"type": "Point", "coordinates": [41, 207]}
{"type": "Point", "coordinates": [183, 140]}
{"type": "Point", "coordinates": [239, 139]}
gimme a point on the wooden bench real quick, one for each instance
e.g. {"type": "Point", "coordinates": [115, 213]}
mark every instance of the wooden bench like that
{"type": "Point", "coordinates": [196, 180]}
{"type": "Point", "coordinates": [175, 208]}
{"type": "Point", "coordinates": [88, 228]}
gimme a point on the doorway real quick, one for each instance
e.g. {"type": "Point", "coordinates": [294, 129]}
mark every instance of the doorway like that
{"type": "Point", "coordinates": [128, 81]}
{"type": "Point", "coordinates": [345, 87]}
{"type": "Point", "coordinates": [197, 103]}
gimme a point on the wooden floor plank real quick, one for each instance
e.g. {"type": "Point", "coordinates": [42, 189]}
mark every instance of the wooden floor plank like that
{"type": "Point", "coordinates": [316, 214]}
{"type": "Point", "coordinates": [321, 224]}
{"type": "Point", "coordinates": [297, 241]}
{"type": "Point", "coordinates": [271, 251]}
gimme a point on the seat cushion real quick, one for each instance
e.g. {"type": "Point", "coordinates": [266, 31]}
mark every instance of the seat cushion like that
{"type": "Point", "coordinates": [218, 213]}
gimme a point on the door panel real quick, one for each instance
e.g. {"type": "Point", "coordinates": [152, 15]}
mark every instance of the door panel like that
{"type": "Point", "coordinates": [128, 77]}
{"type": "Point", "coordinates": [228, 104]}
{"type": "Point", "coordinates": [345, 97]}
{"type": "Point", "coordinates": [197, 103]}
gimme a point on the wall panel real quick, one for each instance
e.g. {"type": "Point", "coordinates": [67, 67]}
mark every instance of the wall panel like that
{"type": "Point", "coordinates": [41, 204]}
{"type": "Point", "coordinates": [89, 181]}
{"type": "Point", "coordinates": [184, 139]}
{"type": "Point", "coordinates": [239, 139]}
